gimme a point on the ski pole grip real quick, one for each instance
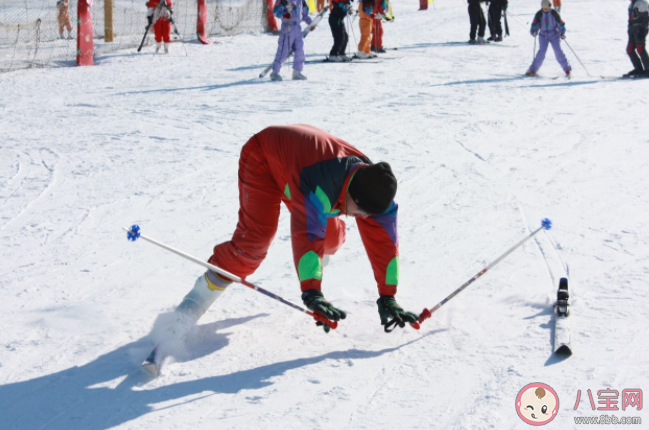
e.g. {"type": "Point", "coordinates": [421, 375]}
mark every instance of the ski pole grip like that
{"type": "Point", "coordinates": [425, 314]}
{"type": "Point", "coordinates": [321, 318]}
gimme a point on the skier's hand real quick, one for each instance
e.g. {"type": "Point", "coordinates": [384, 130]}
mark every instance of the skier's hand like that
{"type": "Point", "coordinates": [563, 36]}
{"type": "Point", "coordinates": [390, 311]}
{"type": "Point", "coordinates": [149, 19]}
{"type": "Point", "coordinates": [315, 301]}
{"type": "Point", "coordinates": [286, 16]}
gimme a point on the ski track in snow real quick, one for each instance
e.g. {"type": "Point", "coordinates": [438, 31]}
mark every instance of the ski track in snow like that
{"type": "Point", "coordinates": [482, 154]}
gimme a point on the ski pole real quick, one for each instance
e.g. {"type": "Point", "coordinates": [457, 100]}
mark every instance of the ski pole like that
{"type": "Point", "coordinates": [546, 224]}
{"type": "Point", "coordinates": [134, 234]}
{"type": "Point", "coordinates": [573, 52]}
{"type": "Point", "coordinates": [146, 31]}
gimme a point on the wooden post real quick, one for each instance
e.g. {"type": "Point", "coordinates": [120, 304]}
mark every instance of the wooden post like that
{"type": "Point", "coordinates": [108, 20]}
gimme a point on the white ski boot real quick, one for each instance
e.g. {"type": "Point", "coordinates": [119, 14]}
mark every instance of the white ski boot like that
{"type": "Point", "coordinates": [166, 46]}
{"type": "Point", "coordinates": [298, 76]}
{"type": "Point", "coordinates": [158, 45]}
{"type": "Point", "coordinates": [207, 288]}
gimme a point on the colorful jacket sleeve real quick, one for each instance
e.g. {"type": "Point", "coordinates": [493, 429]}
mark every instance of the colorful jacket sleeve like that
{"type": "Point", "coordinates": [305, 13]}
{"type": "Point", "coordinates": [536, 23]}
{"type": "Point", "coordinates": [381, 241]}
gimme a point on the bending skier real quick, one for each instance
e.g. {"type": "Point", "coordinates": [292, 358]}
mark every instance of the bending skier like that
{"type": "Point", "coordinates": [638, 27]}
{"type": "Point", "coordinates": [318, 177]}
{"type": "Point", "coordinates": [551, 29]}
{"type": "Point", "coordinates": [292, 12]}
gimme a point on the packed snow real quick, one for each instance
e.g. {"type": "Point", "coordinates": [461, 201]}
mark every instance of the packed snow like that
{"type": "Point", "coordinates": [482, 154]}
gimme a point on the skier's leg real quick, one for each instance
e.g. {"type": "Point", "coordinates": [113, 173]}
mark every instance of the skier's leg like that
{"type": "Point", "coordinates": [559, 54]}
{"type": "Point", "coordinates": [365, 24]}
{"type": "Point", "coordinates": [378, 32]}
{"type": "Point", "coordinates": [482, 24]}
{"type": "Point", "coordinates": [491, 20]}
{"type": "Point", "coordinates": [259, 200]}
{"type": "Point", "coordinates": [474, 20]}
{"type": "Point", "coordinates": [495, 19]}
{"type": "Point", "coordinates": [631, 52]}
{"type": "Point", "coordinates": [334, 24]}
{"type": "Point", "coordinates": [540, 56]}
{"type": "Point", "coordinates": [298, 48]}
{"type": "Point", "coordinates": [345, 38]}
{"type": "Point", "coordinates": [158, 30]}
{"type": "Point", "coordinates": [641, 40]}
{"type": "Point", "coordinates": [283, 47]}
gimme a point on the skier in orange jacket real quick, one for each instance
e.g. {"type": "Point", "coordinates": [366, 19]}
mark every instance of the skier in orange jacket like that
{"type": "Point", "coordinates": [318, 177]}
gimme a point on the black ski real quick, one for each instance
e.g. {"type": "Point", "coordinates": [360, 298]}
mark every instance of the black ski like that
{"type": "Point", "coordinates": [561, 313]}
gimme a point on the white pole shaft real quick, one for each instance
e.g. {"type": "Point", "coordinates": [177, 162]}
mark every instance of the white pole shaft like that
{"type": "Point", "coordinates": [205, 264]}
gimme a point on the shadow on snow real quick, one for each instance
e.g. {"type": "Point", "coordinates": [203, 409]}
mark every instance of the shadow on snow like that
{"type": "Point", "coordinates": [70, 399]}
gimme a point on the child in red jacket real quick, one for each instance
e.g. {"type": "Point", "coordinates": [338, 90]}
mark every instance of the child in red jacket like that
{"type": "Point", "coordinates": [159, 15]}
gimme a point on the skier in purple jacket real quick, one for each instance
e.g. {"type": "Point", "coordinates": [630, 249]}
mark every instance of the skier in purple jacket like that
{"type": "Point", "coordinates": [550, 28]}
{"type": "Point", "coordinates": [292, 12]}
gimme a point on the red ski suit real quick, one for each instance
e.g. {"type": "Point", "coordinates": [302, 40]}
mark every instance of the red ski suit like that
{"type": "Point", "coordinates": [309, 170]}
{"type": "Point", "coordinates": [161, 23]}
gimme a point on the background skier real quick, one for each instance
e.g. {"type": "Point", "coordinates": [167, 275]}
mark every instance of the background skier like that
{"type": "Point", "coordinates": [496, 8]}
{"type": "Point", "coordinates": [338, 11]}
{"type": "Point", "coordinates": [550, 28]}
{"type": "Point", "coordinates": [368, 10]}
{"type": "Point", "coordinates": [318, 177]}
{"type": "Point", "coordinates": [478, 22]}
{"type": "Point", "coordinates": [638, 27]}
{"type": "Point", "coordinates": [160, 17]}
{"type": "Point", "coordinates": [64, 18]}
{"type": "Point", "coordinates": [292, 12]}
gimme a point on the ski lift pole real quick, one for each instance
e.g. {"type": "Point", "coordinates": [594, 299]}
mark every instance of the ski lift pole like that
{"type": "Point", "coordinates": [133, 234]}
{"type": "Point", "coordinates": [546, 224]}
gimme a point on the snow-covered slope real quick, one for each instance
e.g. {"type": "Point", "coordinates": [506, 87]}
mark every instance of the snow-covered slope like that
{"type": "Point", "coordinates": [482, 155]}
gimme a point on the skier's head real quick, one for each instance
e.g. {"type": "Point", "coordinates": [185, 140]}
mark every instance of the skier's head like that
{"type": "Point", "coordinates": [373, 188]}
{"type": "Point", "coordinates": [546, 5]}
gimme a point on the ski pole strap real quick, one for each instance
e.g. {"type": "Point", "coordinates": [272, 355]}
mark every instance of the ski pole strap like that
{"type": "Point", "coordinates": [391, 325]}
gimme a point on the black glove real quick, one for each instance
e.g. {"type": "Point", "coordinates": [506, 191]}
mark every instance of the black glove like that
{"type": "Point", "coordinates": [171, 11]}
{"type": "Point", "coordinates": [390, 312]}
{"type": "Point", "coordinates": [150, 19]}
{"type": "Point", "coordinates": [315, 301]}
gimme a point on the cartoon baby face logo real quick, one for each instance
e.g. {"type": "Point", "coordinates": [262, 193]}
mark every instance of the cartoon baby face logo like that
{"type": "Point", "coordinates": [537, 404]}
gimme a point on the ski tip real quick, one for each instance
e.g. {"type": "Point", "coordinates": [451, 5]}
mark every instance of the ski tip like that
{"type": "Point", "coordinates": [564, 351]}
{"type": "Point", "coordinates": [546, 224]}
{"type": "Point", "coordinates": [133, 233]}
